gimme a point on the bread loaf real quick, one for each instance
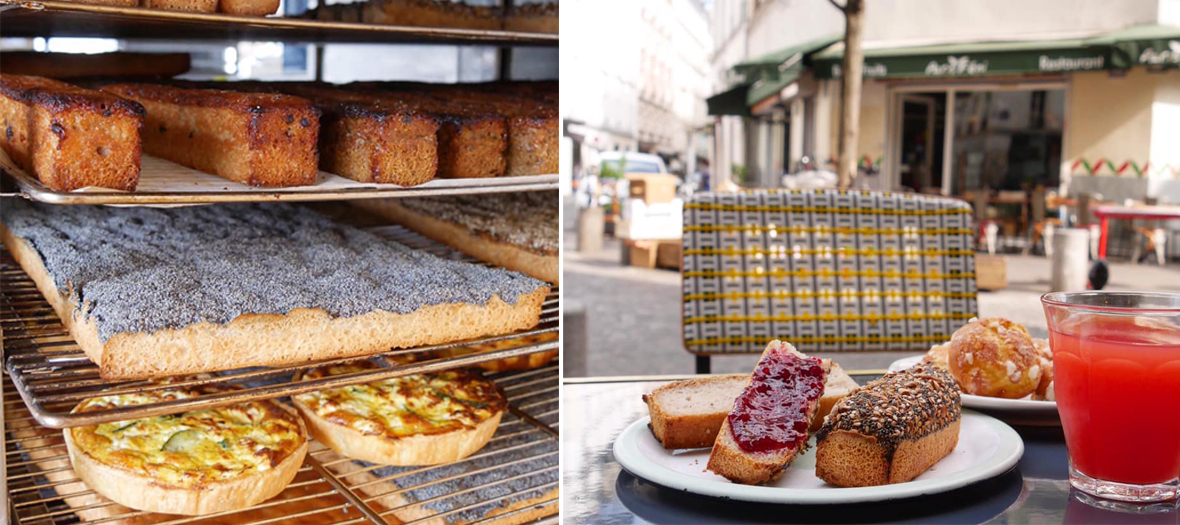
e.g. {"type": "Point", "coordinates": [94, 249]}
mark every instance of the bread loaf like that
{"type": "Point", "coordinates": [259, 139]}
{"type": "Point", "coordinates": [69, 137]}
{"type": "Point", "coordinates": [891, 430]}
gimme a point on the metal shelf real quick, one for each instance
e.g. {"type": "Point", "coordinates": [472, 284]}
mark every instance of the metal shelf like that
{"type": "Point", "coordinates": [519, 463]}
{"type": "Point", "coordinates": [165, 182]}
{"type": "Point", "coordinates": [23, 18]}
{"type": "Point", "coordinates": [52, 375]}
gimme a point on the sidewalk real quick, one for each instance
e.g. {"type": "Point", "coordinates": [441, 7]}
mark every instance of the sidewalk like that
{"type": "Point", "coordinates": [633, 314]}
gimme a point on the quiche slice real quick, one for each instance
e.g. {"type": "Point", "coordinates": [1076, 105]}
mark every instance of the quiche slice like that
{"type": "Point", "coordinates": [194, 463]}
{"type": "Point", "coordinates": [422, 419]}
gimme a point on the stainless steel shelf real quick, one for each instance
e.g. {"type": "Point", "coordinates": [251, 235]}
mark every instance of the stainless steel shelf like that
{"type": "Point", "coordinates": [52, 375]}
{"type": "Point", "coordinates": [59, 18]}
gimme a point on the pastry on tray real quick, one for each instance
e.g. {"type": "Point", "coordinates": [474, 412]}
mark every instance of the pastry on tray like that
{"type": "Point", "coordinates": [422, 419]}
{"type": "Point", "coordinates": [194, 463]}
{"type": "Point", "coordinates": [518, 231]}
{"type": "Point", "coordinates": [259, 139]}
{"type": "Point", "coordinates": [767, 427]}
{"type": "Point", "coordinates": [688, 414]}
{"type": "Point", "coordinates": [890, 430]}
{"type": "Point", "coordinates": [154, 292]}
{"type": "Point", "coordinates": [994, 357]}
{"type": "Point", "coordinates": [69, 137]}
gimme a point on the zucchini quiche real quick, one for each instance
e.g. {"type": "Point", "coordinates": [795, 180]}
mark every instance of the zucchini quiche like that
{"type": "Point", "coordinates": [422, 419]}
{"type": "Point", "coordinates": [194, 463]}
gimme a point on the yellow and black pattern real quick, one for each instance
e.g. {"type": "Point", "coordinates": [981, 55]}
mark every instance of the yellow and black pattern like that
{"type": "Point", "coordinates": [825, 270]}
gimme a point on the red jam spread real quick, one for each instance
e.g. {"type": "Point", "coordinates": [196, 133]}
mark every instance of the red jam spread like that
{"type": "Point", "coordinates": [773, 412]}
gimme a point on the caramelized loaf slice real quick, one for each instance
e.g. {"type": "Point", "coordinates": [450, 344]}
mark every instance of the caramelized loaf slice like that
{"type": "Point", "coordinates": [372, 140]}
{"type": "Point", "coordinates": [259, 139]}
{"type": "Point", "coordinates": [688, 414]}
{"type": "Point", "coordinates": [767, 428]}
{"type": "Point", "coordinates": [472, 142]}
{"type": "Point", "coordinates": [891, 430]}
{"type": "Point", "coordinates": [69, 137]}
{"type": "Point", "coordinates": [533, 126]}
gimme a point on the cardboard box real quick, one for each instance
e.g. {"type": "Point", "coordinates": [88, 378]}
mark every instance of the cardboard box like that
{"type": "Point", "coordinates": [669, 254]}
{"type": "Point", "coordinates": [641, 220]}
{"type": "Point", "coordinates": [991, 272]}
{"type": "Point", "coordinates": [653, 188]}
{"type": "Point", "coordinates": [643, 253]}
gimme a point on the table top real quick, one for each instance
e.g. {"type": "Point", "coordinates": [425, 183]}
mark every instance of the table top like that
{"type": "Point", "coordinates": [1147, 211]}
{"type": "Point", "coordinates": [597, 490]}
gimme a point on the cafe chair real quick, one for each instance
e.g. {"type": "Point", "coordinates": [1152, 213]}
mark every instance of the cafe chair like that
{"type": "Point", "coordinates": [826, 270]}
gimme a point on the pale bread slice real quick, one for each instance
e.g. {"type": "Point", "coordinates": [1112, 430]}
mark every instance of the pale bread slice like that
{"type": "Point", "coordinates": [688, 414]}
{"type": "Point", "coordinates": [753, 468]}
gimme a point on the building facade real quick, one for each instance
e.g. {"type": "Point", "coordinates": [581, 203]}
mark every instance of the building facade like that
{"type": "Point", "coordinates": [636, 76]}
{"type": "Point", "coordinates": [958, 97]}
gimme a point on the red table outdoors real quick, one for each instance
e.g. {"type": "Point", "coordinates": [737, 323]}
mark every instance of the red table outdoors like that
{"type": "Point", "coordinates": [1105, 213]}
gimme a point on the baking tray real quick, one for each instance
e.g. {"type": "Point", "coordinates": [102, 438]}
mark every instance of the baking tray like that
{"type": "Point", "coordinates": [52, 374]}
{"type": "Point", "coordinates": [57, 18]}
{"type": "Point", "coordinates": [521, 459]}
{"type": "Point", "coordinates": [162, 182]}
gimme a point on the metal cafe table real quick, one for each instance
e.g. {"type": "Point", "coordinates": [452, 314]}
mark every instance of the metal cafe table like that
{"type": "Point", "coordinates": [596, 489]}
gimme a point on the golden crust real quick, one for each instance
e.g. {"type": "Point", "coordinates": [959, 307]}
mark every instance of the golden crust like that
{"type": "Point", "coordinates": [174, 485]}
{"type": "Point", "coordinates": [526, 362]}
{"type": "Point", "coordinates": [69, 137]}
{"type": "Point", "coordinates": [423, 419]}
{"type": "Point", "coordinates": [259, 139]}
{"type": "Point", "coordinates": [994, 357]}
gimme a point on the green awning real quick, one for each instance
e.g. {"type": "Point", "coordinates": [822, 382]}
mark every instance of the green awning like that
{"type": "Point", "coordinates": [730, 102]}
{"type": "Point", "coordinates": [971, 59]}
{"type": "Point", "coordinates": [767, 87]}
{"type": "Point", "coordinates": [1149, 45]}
{"type": "Point", "coordinates": [772, 64]}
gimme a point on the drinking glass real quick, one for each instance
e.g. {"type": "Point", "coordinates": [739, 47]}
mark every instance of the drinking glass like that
{"type": "Point", "coordinates": [1116, 361]}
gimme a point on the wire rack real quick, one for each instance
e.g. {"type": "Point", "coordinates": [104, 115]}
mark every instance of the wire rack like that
{"type": "Point", "coordinates": [52, 374]}
{"type": "Point", "coordinates": [38, 18]}
{"type": "Point", "coordinates": [511, 480]}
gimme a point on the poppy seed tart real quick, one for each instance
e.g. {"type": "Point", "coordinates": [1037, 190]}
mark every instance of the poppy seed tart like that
{"type": "Point", "coordinates": [149, 292]}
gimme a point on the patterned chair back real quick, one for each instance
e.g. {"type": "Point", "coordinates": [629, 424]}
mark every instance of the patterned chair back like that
{"type": "Point", "coordinates": [826, 270]}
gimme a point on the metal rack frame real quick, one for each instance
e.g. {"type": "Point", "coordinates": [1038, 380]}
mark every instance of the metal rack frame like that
{"type": "Point", "coordinates": [62, 18]}
{"type": "Point", "coordinates": [52, 374]}
{"type": "Point", "coordinates": [45, 490]}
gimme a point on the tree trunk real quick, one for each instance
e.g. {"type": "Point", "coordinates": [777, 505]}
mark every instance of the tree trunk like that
{"type": "Point", "coordinates": [850, 82]}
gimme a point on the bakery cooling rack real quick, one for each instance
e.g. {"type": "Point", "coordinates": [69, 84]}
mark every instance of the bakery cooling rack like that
{"type": "Point", "coordinates": [52, 375]}
{"type": "Point", "coordinates": [33, 18]}
{"type": "Point", "coordinates": [165, 182]}
{"type": "Point", "coordinates": [513, 478]}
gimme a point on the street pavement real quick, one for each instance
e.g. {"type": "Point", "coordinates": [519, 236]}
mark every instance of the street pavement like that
{"type": "Point", "coordinates": [633, 314]}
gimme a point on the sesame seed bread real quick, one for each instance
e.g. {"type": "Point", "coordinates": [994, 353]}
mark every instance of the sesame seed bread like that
{"type": "Point", "coordinates": [688, 414]}
{"type": "Point", "coordinates": [184, 290]}
{"type": "Point", "coordinates": [890, 430]}
{"type": "Point", "coordinates": [518, 231]}
{"type": "Point", "coordinates": [728, 459]}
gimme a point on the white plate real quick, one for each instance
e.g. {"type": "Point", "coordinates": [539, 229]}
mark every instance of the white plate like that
{"type": "Point", "coordinates": [1016, 411]}
{"type": "Point", "coordinates": [987, 448]}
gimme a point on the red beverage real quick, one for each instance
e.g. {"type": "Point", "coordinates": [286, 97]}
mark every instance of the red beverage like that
{"type": "Point", "coordinates": [1118, 393]}
{"type": "Point", "coordinates": [1116, 357]}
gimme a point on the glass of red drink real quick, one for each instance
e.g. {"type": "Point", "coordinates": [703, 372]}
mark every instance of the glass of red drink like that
{"type": "Point", "coordinates": [1116, 361]}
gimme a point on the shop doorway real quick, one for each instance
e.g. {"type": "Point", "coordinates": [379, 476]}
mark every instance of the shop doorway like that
{"type": "Point", "coordinates": [923, 133]}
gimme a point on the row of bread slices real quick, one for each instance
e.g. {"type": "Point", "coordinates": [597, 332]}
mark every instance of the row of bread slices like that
{"type": "Point", "coordinates": [887, 431]}
{"type": "Point", "coordinates": [223, 459]}
{"type": "Point", "coordinates": [277, 134]}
